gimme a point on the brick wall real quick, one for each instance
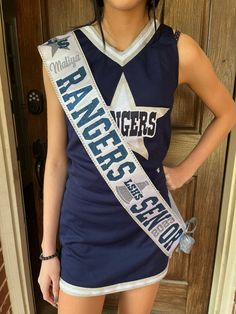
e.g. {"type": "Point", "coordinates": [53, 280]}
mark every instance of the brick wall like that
{"type": "Point", "coordinates": [5, 304]}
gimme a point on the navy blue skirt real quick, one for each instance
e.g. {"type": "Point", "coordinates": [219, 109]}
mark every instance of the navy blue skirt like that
{"type": "Point", "coordinates": [103, 250]}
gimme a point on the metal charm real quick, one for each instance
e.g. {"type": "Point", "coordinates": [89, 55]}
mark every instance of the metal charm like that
{"type": "Point", "coordinates": [187, 241]}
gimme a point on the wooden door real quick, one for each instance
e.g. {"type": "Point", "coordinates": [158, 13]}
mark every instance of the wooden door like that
{"type": "Point", "coordinates": [186, 288]}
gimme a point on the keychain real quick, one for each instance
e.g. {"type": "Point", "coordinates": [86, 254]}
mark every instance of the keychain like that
{"type": "Point", "coordinates": [187, 241]}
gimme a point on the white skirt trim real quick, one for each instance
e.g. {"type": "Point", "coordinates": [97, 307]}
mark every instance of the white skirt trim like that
{"type": "Point", "coordinates": [83, 291]}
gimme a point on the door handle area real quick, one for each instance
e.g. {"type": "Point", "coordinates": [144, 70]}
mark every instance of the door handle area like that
{"type": "Point", "coordinates": [40, 153]}
{"type": "Point", "coordinates": [39, 171]}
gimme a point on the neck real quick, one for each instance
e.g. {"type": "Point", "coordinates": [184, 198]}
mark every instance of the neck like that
{"type": "Point", "coordinates": [122, 26]}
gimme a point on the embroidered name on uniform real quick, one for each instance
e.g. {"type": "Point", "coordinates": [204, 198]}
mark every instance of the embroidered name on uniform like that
{"type": "Point", "coordinates": [136, 123]}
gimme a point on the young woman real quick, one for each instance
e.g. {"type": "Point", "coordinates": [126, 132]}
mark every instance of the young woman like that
{"type": "Point", "coordinates": [103, 250]}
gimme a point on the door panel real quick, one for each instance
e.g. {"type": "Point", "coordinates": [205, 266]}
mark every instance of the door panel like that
{"type": "Point", "coordinates": [30, 34]}
{"type": "Point", "coordinates": [66, 15]}
{"type": "Point", "coordinates": [186, 288]}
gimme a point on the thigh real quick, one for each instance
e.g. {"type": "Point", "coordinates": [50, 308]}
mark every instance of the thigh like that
{"type": "Point", "coordinates": [79, 305]}
{"type": "Point", "coordinates": [139, 300]}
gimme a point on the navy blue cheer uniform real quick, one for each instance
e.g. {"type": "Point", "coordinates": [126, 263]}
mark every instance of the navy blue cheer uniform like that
{"type": "Point", "coordinates": [103, 250]}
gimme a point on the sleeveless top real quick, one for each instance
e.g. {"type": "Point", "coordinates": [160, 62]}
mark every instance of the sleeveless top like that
{"type": "Point", "coordinates": [138, 85]}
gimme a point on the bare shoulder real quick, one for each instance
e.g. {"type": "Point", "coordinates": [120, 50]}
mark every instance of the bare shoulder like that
{"type": "Point", "coordinates": [189, 49]}
{"type": "Point", "coordinates": [196, 70]}
{"type": "Point", "coordinates": [191, 56]}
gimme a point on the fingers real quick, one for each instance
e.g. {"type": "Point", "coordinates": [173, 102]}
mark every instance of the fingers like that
{"type": "Point", "coordinates": [47, 294]}
{"type": "Point", "coordinates": [50, 290]}
{"type": "Point", "coordinates": [55, 290]}
{"type": "Point", "coordinates": [167, 177]}
{"type": "Point", "coordinates": [170, 185]}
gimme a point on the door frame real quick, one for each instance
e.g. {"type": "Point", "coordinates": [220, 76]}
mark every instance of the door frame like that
{"type": "Point", "coordinates": [224, 276]}
{"type": "Point", "coordinates": [13, 232]}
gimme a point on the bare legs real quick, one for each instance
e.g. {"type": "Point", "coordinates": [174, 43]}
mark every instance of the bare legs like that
{"type": "Point", "coordinates": [138, 301]}
{"type": "Point", "coordinates": [69, 304]}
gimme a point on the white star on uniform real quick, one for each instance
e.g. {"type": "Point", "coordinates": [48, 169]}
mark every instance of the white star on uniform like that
{"type": "Point", "coordinates": [123, 101]}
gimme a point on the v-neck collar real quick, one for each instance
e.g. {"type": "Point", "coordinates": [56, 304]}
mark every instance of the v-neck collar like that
{"type": "Point", "coordinates": [122, 57]}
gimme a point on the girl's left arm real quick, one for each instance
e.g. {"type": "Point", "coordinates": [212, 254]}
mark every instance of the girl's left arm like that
{"type": "Point", "coordinates": [196, 70]}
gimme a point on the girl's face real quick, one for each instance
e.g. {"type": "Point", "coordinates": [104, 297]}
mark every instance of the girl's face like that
{"type": "Point", "coordinates": [125, 4]}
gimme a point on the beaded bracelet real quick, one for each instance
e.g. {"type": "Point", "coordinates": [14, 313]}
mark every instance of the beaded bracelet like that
{"type": "Point", "coordinates": [48, 257]}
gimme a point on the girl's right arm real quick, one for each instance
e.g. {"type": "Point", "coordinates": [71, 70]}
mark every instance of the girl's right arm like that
{"type": "Point", "coordinates": [55, 167]}
{"type": "Point", "coordinates": [55, 175]}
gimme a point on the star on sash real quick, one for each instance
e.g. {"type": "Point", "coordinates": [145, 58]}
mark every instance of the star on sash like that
{"type": "Point", "coordinates": [122, 101]}
{"type": "Point", "coordinates": [56, 44]}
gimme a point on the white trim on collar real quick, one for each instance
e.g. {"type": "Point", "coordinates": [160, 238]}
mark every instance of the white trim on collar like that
{"type": "Point", "coordinates": [122, 57]}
